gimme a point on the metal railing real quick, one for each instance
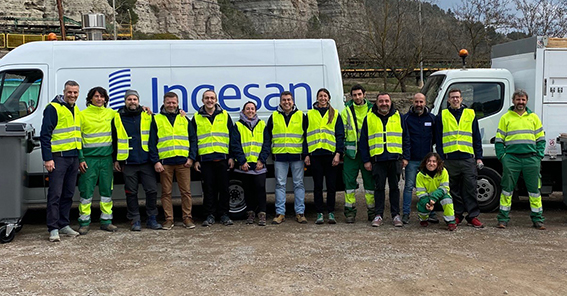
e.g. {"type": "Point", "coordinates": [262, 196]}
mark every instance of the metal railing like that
{"type": "Point", "coordinates": [11, 41]}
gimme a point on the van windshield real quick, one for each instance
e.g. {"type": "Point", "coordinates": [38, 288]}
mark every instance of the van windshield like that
{"type": "Point", "coordinates": [431, 89]}
{"type": "Point", "coordinates": [19, 93]}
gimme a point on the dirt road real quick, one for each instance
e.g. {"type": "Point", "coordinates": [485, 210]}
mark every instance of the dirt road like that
{"type": "Point", "coordinates": [293, 259]}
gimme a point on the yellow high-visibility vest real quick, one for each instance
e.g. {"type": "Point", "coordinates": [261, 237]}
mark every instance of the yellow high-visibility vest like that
{"type": "Point", "coordinates": [287, 138]}
{"type": "Point", "coordinates": [123, 145]}
{"type": "Point", "coordinates": [457, 136]}
{"type": "Point", "coordinates": [67, 133]}
{"type": "Point", "coordinates": [394, 131]}
{"type": "Point", "coordinates": [172, 140]}
{"type": "Point", "coordinates": [251, 140]}
{"type": "Point", "coordinates": [96, 130]}
{"type": "Point", "coordinates": [320, 133]}
{"type": "Point", "coordinates": [212, 137]}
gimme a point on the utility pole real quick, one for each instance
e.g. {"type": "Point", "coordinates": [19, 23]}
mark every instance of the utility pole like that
{"type": "Point", "coordinates": [114, 17]}
{"type": "Point", "coordinates": [61, 21]}
{"type": "Point", "coordinates": [420, 48]}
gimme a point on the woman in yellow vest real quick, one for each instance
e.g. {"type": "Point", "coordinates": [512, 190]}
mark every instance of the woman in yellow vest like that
{"type": "Point", "coordinates": [325, 144]}
{"type": "Point", "coordinates": [246, 143]}
{"type": "Point", "coordinates": [432, 186]}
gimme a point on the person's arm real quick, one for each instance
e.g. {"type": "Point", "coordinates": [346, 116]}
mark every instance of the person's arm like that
{"type": "Point", "coordinates": [477, 140]}
{"type": "Point", "coordinates": [439, 135]}
{"type": "Point", "coordinates": [364, 148]}
{"type": "Point", "coordinates": [236, 146]}
{"type": "Point", "coordinates": [540, 137]}
{"type": "Point", "coordinates": [152, 143]}
{"type": "Point", "coordinates": [192, 141]}
{"type": "Point", "coordinates": [48, 124]}
{"type": "Point", "coordinates": [406, 143]}
{"type": "Point", "coordinates": [501, 131]}
{"type": "Point", "coordinates": [305, 149]}
{"type": "Point", "coordinates": [339, 136]}
{"type": "Point", "coordinates": [194, 124]}
{"type": "Point", "coordinates": [267, 144]}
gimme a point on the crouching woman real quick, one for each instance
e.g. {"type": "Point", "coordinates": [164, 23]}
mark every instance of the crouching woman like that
{"type": "Point", "coordinates": [432, 185]}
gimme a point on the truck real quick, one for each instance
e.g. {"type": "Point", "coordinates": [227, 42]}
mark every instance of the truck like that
{"type": "Point", "coordinates": [536, 65]}
{"type": "Point", "coordinates": [238, 70]}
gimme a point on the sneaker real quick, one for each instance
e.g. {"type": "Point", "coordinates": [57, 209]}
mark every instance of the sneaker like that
{"type": "Point", "coordinates": [151, 223]}
{"type": "Point", "coordinates": [475, 223]}
{"type": "Point", "coordinates": [377, 221]}
{"type": "Point", "coordinates": [300, 218]}
{"type": "Point", "coordinates": [423, 223]}
{"type": "Point", "coordinates": [398, 221]}
{"type": "Point", "coordinates": [539, 225]}
{"type": "Point", "coordinates": [405, 218]}
{"type": "Point", "coordinates": [332, 219]}
{"type": "Point", "coordinates": [262, 219]}
{"type": "Point", "coordinates": [225, 220]}
{"type": "Point", "coordinates": [458, 219]}
{"type": "Point", "coordinates": [319, 219]}
{"type": "Point", "coordinates": [136, 226]}
{"type": "Point", "coordinates": [209, 221]}
{"type": "Point", "coordinates": [167, 225]}
{"type": "Point", "coordinates": [433, 219]}
{"type": "Point", "coordinates": [54, 236]}
{"type": "Point", "coordinates": [68, 231]}
{"type": "Point", "coordinates": [188, 223]}
{"type": "Point", "coordinates": [84, 229]}
{"type": "Point", "coordinates": [502, 224]}
{"type": "Point", "coordinates": [109, 227]}
{"type": "Point", "coordinates": [278, 219]}
{"type": "Point", "coordinates": [251, 217]}
{"type": "Point", "coordinates": [452, 227]}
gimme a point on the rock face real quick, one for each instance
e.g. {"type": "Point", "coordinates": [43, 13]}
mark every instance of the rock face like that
{"type": "Point", "coordinates": [195, 19]}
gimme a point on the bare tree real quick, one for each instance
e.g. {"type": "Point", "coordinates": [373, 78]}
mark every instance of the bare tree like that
{"type": "Point", "coordinates": [541, 17]}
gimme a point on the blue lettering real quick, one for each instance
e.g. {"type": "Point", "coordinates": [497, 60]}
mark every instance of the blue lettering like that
{"type": "Point", "coordinates": [307, 88]}
{"type": "Point", "coordinates": [251, 96]}
{"type": "Point", "coordinates": [155, 106]}
{"type": "Point", "coordinates": [273, 95]}
{"type": "Point", "coordinates": [223, 96]}
{"type": "Point", "coordinates": [196, 90]}
{"type": "Point", "coordinates": [184, 103]}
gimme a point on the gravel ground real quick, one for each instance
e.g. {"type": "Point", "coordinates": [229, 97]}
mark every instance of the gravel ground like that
{"type": "Point", "coordinates": [292, 259]}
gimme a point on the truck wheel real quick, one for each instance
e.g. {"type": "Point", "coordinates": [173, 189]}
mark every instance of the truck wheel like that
{"type": "Point", "coordinates": [6, 239]}
{"type": "Point", "coordinates": [488, 185]}
{"type": "Point", "coordinates": [237, 201]}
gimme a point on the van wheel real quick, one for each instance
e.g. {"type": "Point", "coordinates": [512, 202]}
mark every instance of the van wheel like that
{"type": "Point", "coordinates": [6, 239]}
{"type": "Point", "coordinates": [488, 186]}
{"type": "Point", "coordinates": [237, 201]}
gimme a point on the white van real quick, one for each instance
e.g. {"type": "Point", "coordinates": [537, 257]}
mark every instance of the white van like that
{"type": "Point", "coordinates": [238, 70]}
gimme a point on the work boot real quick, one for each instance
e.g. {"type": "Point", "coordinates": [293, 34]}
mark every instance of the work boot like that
{"type": "Point", "coordinates": [371, 214]}
{"type": "Point", "coordinates": [151, 223]}
{"type": "Point", "coordinates": [109, 227]}
{"type": "Point", "coordinates": [319, 219]}
{"type": "Point", "coordinates": [136, 226]}
{"type": "Point", "coordinates": [262, 219]}
{"type": "Point", "coordinates": [397, 221]}
{"type": "Point", "coordinates": [502, 224]}
{"type": "Point", "coordinates": [84, 229]}
{"type": "Point", "coordinates": [458, 219]}
{"type": "Point", "coordinates": [167, 225]}
{"type": "Point", "coordinates": [350, 214]}
{"type": "Point", "coordinates": [54, 236]}
{"type": "Point", "coordinates": [251, 217]}
{"type": "Point", "coordinates": [377, 221]}
{"type": "Point", "coordinates": [209, 221]}
{"type": "Point", "coordinates": [452, 227]}
{"type": "Point", "coordinates": [278, 219]}
{"type": "Point", "coordinates": [68, 231]}
{"type": "Point", "coordinates": [188, 223]}
{"type": "Point", "coordinates": [300, 218]}
{"type": "Point", "coordinates": [405, 218]}
{"type": "Point", "coordinates": [225, 220]}
{"type": "Point", "coordinates": [539, 225]}
{"type": "Point", "coordinates": [332, 219]}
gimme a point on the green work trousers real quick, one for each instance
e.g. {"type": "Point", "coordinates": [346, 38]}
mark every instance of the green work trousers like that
{"type": "Point", "coordinates": [351, 167]}
{"type": "Point", "coordinates": [100, 170]}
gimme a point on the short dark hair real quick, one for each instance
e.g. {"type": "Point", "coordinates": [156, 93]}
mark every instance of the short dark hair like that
{"type": "Point", "coordinates": [170, 94]}
{"type": "Point", "coordinates": [250, 102]}
{"type": "Point", "coordinates": [357, 87]}
{"type": "Point", "coordinates": [70, 83]}
{"type": "Point", "coordinates": [384, 94]}
{"type": "Point", "coordinates": [520, 93]}
{"type": "Point", "coordinates": [452, 90]}
{"type": "Point", "coordinates": [286, 93]}
{"type": "Point", "coordinates": [208, 90]}
{"type": "Point", "coordinates": [101, 91]}
{"type": "Point", "coordinates": [440, 163]}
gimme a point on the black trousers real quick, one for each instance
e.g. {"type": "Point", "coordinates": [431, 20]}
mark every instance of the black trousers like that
{"type": "Point", "coordinates": [391, 170]}
{"type": "Point", "coordinates": [254, 191]}
{"type": "Point", "coordinates": [62, 183]}
{"type": "Point", "coordinates": [134, 174]}
{"type": "Point", "coordinates": [321, 166]}
{"type": "Point", "coordinates": [215, 187]}
{"type": "Point", "coordinates": [463, 184]}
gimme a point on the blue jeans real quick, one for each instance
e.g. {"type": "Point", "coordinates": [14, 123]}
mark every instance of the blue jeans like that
{"type": "Point", "coordinates": [411, 173]}
{"type": "Point", "coordinates": [280, 171]}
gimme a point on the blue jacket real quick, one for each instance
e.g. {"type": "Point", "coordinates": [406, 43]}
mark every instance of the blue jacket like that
{"type": "Point", "coordinates": [176, 160]}
{"type": "Point", "coordinates": [48, 125]}
{"type": "Point", "coordinates": [477, 139]}
{"type": "Point", "coordinates": [420, 130]}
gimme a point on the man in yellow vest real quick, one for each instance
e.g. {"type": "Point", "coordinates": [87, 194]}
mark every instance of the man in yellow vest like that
{"type": "Point", "coordinates": [173, 142]}
{"type": "Point", "coordinates": [381, 152]}
{"type": "Point", "coordinates": [95, 160]}
{"type": "Point", "coordinates": [130, 137]}
{"type": "Point", "coordinates": [520, 146]}
{"type": "Point", "coordinates": [353, 116]}
{"type": "Point", "coordinates": [284, 137]}
{"type": "Point", "coordinates": [459, 143]}
{"type": "Point", "coordinates": [60, 139]}
{"type": "Point", "coordinates": [213, 125]}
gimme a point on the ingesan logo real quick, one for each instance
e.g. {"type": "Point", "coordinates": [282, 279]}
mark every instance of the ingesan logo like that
{"type": "Point", "coordinates": [118, 83]}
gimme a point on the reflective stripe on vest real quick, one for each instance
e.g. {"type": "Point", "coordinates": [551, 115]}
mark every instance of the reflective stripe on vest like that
{"type": "Point", "coordinates": [213, 137]}
{"type": "Point", "coordinates": [251, 140]}
{"type": "Point", "coordinates": [96, 130]}
{"type": "Point", "coordinates": [524, 129]}
{"type": "Point", "coordinates": [376, 133]}
{"type": "Point", "coordinates": [67, 133]}
{"type": "Point", "coordinates": [320, 133]}
{"type": "Point", "coordinates": [287, 138]}
{"type": "Point", "coordinates": [425, 185]}
{"type": "Point", "coordinates": [457, 136]}
{"type": "Point", "coordinates": [123, 140]}
{"type": "Point", "coordinates": [172, 140]}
